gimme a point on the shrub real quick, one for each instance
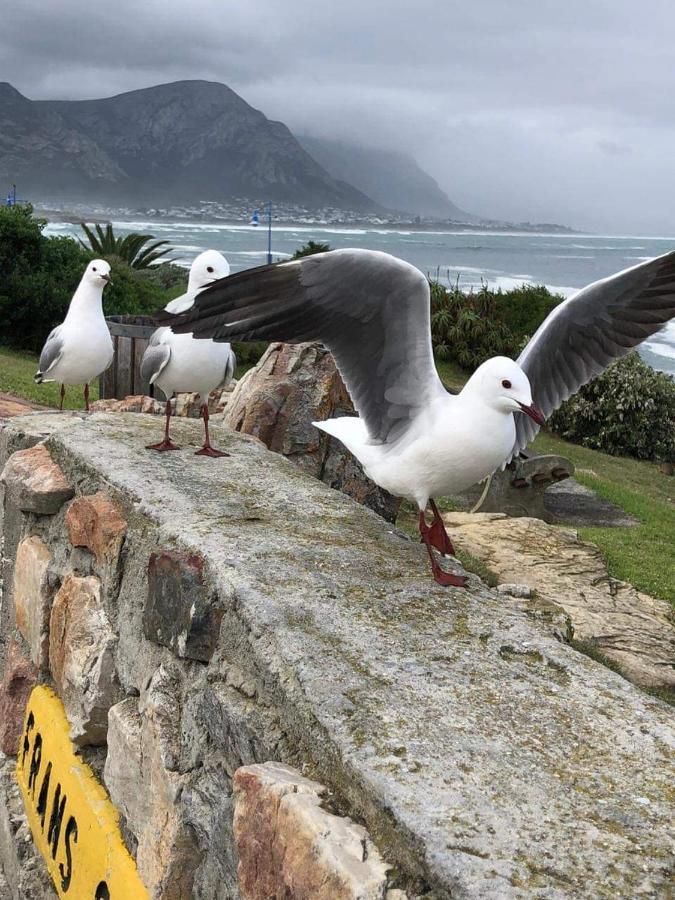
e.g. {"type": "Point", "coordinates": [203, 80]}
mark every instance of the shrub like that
{"type": "Point", "coordinates": [39, 274]}
{"type": "Point", "coordinates": [466, 327]}
{"type": "Point", "coordinates": [470, 327]}
{"type": "Point", "coordinates": [629, 410]}
{"type": "Point", "coordinates": [310, 248]}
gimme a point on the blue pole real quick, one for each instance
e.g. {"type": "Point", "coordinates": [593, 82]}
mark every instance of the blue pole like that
{"type": "Point", "coordinates": [269, 233]}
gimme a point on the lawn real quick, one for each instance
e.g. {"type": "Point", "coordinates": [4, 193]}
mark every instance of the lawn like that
{"type": "Point", "coordinates": [17, 369]}
{"type": "Point", "coordinates": [643, 556]}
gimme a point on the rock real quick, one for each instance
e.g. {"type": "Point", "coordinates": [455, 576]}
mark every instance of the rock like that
{"type": "Point", "coordinates": [277, 401]}
{"type": "Point", "coordinates": [81, 658]}
{"type": "Point", "coordinates": [132, 403]}
{"type": "Point", "coordinates": [33, 592]}
{"type": "Point", "coordinates": [94, 522]}
{"type": "Point", "coordinates": [515, 590]}
{"type": "Point", "coordinates": [633, 630]}
{"type": "Point", "coordinates": [34, 482]}
{"type": "Point", "coordinates": [18, 681]}
{"type": "Point", "coordinates": [279, 826]}
{"type": "Point", "coordinates": [184, 405]}
{"type": "Point", "coordinates": [180, 613]}
{"type": "Point", "coordinates": [141, 777]}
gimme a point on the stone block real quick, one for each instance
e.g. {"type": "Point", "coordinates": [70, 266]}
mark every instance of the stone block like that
{"type": "Point", "coordinates": [34, 482]}
{"type": "Point", "coordinates": [81, 658]}
{"type": "Point", "coordinates": [18, 681]}
{"type": "Point", "coordinates": [142, 781]}
{"type": "Point", "coordinates": [94, 522]}
{"type": "Point", "coordinates": [33, 593]}
{"type": "Point", "coordinates": [289, 846]}
{"type": "Point", "coordinates": [180, 611]}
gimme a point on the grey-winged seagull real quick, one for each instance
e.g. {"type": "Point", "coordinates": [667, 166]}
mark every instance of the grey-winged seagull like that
{"type": "Point", "coordinates": [412, 437]}
{"type": "Point", "coordinates": [80, 348]}
{"type": "Point", "coordinates": [179, 363]}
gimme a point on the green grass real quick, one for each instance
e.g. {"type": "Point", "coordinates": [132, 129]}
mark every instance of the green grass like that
{"type": "Point", "coordinates": [644, 555]}
{"type": "Point", "coordinates": [17, 369]}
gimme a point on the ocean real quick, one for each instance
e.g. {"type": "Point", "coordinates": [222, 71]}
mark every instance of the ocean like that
{"type": "Point", "coordinates": [562, 262]}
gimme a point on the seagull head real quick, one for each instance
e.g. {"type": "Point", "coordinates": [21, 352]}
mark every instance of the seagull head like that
{"type": "Point", "coordinates": [502, 384]}
{"type": "Point", "coordinates": [97, 273]}
{"type": "Point", "coordinates": [208, 267]}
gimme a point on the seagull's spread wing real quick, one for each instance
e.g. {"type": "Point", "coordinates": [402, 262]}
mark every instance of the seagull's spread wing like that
{"type": "Point", "coordinates": [370, 309]}
{"type": "Point", "coordinates": [155, 356]}
{"type": "Point", "coordinates": [595, 326]}
{"type": "Point", "coordinates": [51, 352]}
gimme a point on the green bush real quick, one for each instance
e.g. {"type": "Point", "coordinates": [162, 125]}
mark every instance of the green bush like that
{"type": "Point", "coordinates": [470, 327]}
{"type": "Point", "coordinates": [37, 277]}
{"type": "Point", "coordinates": [629, 410]}
{"type": "Point", "coordinates": [39, 274]}
{"type": "Point", "coordinates": [466, 328]}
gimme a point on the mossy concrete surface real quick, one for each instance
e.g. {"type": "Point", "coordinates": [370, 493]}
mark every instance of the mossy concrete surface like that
{"type": "Point", "coordinates": [487, 758]}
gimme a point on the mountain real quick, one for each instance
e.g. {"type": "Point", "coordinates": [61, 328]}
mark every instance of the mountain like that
{"type": "Point", "coordinates": [392, 179]}
{"type": "Point", "coordinates": [173, 143]}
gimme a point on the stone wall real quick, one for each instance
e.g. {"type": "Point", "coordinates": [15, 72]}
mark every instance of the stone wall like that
{"type": "Point", "coordinates": [282, 703]}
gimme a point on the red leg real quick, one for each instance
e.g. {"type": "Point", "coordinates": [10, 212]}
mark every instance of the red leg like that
{"type": "Point", "coordinates": [439, 536]}
{"type": "Point", "coordinates": [167, 443]}
{"type": "Point", "coordinates": [441, 577]}
{"type": "Point", "coordinates": [63, 394]}
{"type": "Point", "coordinates": [207, 449]}
{"type": "Point", "coordinates": [86, 397]}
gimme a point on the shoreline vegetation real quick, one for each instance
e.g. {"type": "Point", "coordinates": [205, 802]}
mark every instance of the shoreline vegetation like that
{"type": "Point", "coordinates": [39, 273]}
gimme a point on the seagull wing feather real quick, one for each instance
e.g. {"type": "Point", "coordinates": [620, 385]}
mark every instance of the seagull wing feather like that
{"type": "Point", "coordinates": [155, 356]}
{"type": "Point", "coordinates": [370, 309]}
{"type": "Point", "coordinates": [585, 333]}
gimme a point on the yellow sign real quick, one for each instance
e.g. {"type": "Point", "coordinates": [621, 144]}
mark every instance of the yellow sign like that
{"type": "Point", "coordinates": [73, 822]}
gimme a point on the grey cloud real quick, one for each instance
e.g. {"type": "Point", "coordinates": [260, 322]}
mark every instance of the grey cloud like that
{"type": "Point", "coordinates": [539, 109]}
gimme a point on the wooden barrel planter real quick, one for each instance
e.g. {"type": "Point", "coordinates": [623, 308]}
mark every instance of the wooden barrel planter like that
{"type": "Point", "coordinates": [130, 336]}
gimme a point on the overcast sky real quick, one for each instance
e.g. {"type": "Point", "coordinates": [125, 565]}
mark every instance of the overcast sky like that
{"type": "Point", "coordinates": [540, 110]}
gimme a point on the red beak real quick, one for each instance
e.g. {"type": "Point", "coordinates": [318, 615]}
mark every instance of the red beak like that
{"type": "Point", "coordinates": [533, 413]}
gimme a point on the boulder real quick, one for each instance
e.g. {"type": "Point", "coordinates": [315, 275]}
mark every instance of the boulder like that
{"type": "Point", "coordinates": [630, 628]}
{"type": "Point", "coordinates": [81, 658]}
{"type": "Point", "coordinates": [180, 613]}
{"type": "Point", "coordinates": [142, 779]}
{"type": "Point", "coordinates": [18, 681]}
{"type": "Point", "coordinates": [33, 593]}
{"type": "Point", "coordinates": [279, 826]}
{"type": "Point", "coordinates": [277, 401]}
{"type": "Point", "coordinates": [94, 522]}
{"type": "Point", "coordinates": [34, 482]}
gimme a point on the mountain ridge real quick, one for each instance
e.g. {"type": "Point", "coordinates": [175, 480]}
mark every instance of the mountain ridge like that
{"type": "Point", "coordinates": [170, 142]}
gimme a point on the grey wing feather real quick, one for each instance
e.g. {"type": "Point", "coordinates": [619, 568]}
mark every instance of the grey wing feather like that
{"type": "Point", "coordinates": [230, 368]}
{"type": "Point", "coordinates": [155, 357]}
{"type": "Point", "coordinates": [591, 329]}
{"type": "Point", "coordinates": [370, 309]}
{"type": "Point", "coordinates": [51, 351]}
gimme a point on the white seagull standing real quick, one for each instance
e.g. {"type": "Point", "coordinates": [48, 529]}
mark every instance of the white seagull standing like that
{"type": "Point", "coordinates": [178, 363]}
{"type": "Point", "coordinates": [412, 437]}
{"type": "Point", "coordinates": [80, 348]}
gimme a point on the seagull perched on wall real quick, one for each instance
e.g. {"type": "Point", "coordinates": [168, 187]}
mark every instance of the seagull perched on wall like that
{"type": "Point", "coordinates": [80, 348]}
{"type": "Point", "coordinates": [411, 436]}
{"type": "Point", "coordinates": [178, 363]}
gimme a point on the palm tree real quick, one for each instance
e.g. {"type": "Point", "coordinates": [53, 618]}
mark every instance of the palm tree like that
{"type": "Point", "coordinates": [130, 249]}
{"type": "Point", "coordinates": [310, 248]}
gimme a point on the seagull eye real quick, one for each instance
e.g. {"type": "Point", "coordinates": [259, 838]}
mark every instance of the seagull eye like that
{"type": "Point", "coordinates": [506, 384]}
{"type": "Point", "coordinates": [94, 269]}
{"type": "Point", "coordinates": [209, 268]}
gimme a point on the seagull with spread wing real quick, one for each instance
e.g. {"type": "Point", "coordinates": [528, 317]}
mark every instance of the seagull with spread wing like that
{"type": "Point", "coordinates": [412, 437]}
